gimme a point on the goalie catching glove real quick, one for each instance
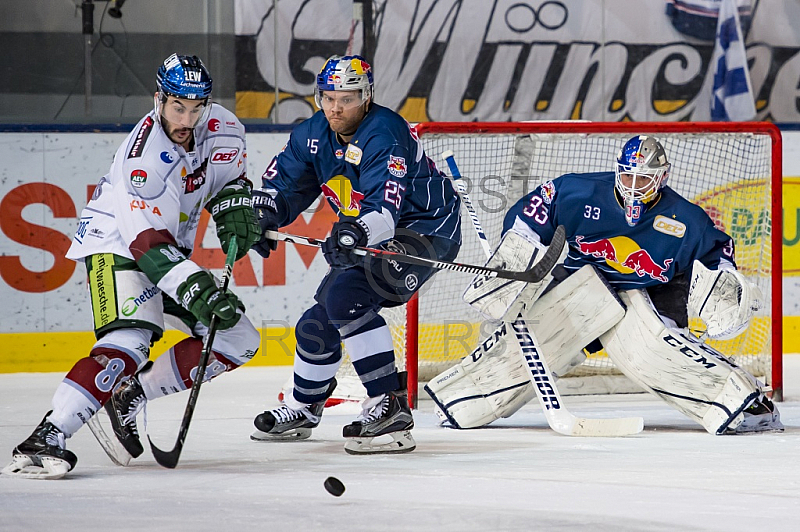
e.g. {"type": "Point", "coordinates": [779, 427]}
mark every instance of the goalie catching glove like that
{"type": "Point", "coordinates": [232, 210]}
{"type": "Point", "coordinates": [200, 295]}
{"type": "Point", "coordinates": [724, 299]}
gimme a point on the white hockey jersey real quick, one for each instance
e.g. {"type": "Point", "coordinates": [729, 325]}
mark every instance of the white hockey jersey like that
{"type": "Point", "coordinates": [155, 185]}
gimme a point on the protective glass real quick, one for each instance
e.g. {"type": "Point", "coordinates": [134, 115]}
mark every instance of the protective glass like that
{"type": "Point", "coordinates": [344, 100]}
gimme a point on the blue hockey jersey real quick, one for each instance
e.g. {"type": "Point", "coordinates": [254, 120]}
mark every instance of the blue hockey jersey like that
{"type": "Point", "coordinates": [382, 173]}
{"type": "Point", "coordinates": [669, 236]}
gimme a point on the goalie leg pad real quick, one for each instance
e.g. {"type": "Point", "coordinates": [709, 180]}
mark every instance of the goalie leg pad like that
{"type": "Point", "coordinates": [571, 315]}
{"type": "Point", "coordinates": [488, 384]}
{"type": "Point", "coordinates": [692, 377]}
{"type": "Point", "coordinates": [493, 382]}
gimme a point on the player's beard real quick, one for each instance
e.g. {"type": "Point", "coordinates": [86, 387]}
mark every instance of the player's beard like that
{"type": "Point", "coordinates": [177, 134]}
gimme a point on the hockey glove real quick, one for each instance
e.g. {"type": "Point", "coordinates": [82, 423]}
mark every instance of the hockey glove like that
{"type": "Point", "coordinates": [346, 235]}
{"type": "Point", "coordinates": [266, 211]}
{"type": "Point", "coordinates": [232, 210]}
{"type": "Point", "coordinates": [200, 295]}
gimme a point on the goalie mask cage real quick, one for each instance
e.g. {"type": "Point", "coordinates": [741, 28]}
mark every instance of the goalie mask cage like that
{"type": "Point", "coordinates": [732, 170]}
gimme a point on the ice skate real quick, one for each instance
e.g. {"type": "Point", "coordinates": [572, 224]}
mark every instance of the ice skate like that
{"type": "Point", "coordinates": [286, 423]}
{"type": "Point", "coordinates": [383, 417]}
{"type": "Point", "coordinates": [43, 455]}
{"type": "Point", "coordinates": [761, 416]}
{"type": "Point", "coordinates": [126, 402]}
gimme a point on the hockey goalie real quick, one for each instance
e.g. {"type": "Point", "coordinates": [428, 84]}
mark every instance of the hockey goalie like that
{"type": "Point", "coordinates": [640, 259]}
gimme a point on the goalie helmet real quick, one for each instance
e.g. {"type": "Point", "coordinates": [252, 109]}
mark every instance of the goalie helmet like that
{"type": "Point", "coordinates": [641, 171]}
{"type": "Point", "coordinates": [345, 73]}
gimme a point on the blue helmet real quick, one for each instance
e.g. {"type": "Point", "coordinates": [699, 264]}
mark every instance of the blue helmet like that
{"type": "Point", "coordinates": [345, 73]}
{"type": "Point", "coordinates": [184, 76]}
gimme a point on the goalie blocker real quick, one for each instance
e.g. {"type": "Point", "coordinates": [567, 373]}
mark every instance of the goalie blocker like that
{"type": "Point", "coordinates": [690, 376]}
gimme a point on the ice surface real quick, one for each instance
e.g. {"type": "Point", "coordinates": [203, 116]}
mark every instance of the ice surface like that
{"type": "Point", "coordinates": [516, 475]}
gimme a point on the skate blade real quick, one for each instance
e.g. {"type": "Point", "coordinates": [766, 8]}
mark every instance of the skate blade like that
{"type": "Point", "coordinates": [402, 442]}
{"type": "Point", "coordinates": [114, 449]}
{"type": "Point", "coordinates": [23, 466]}
{"type": "Point", "coordinates": [289, 435]}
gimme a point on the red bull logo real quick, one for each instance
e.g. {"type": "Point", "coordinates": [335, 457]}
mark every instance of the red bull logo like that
{"type": "Point", "coordinates": [600, 249]}
{"type": "Point", "coordinates": [396, 166]}
{"type": "Point", "coordinates": [643, 264]}
{"type": "Point", "coordinates": [340, 193]}
{"type": "Point", "coordinates": [360, 67]}
{"type": "Point", "coordinates": [625, 256]}
{"type": "Point", "coordinates": [334, 79]}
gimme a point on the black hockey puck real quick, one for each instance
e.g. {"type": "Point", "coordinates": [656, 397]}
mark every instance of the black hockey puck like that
{"type": "Point", "coordinates": [334, 486]}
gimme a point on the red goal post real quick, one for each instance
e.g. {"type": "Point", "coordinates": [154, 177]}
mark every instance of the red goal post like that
{"type": "Point", "coordinates": [733, 170]}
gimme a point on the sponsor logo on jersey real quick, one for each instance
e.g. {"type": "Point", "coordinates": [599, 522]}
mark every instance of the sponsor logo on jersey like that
{"type": "Point", "coordinates": [167, 157]}
{"type": "Point", "coordinates": [172, 253]}
{"type": "Point", "coordinates": [353, 154]}
{"type": "Point", "coordinates": [141, 138]}
{"type": "Point", "coordinates": [131, 305]}
{"type": "Point", "coordinates": [548, 192]}
{"type": "Point", "coordinates": [213, 125]}
{"type": "Point", "coordinates": [143, 205]}
{"type": "Point", "coordinates": [668, 226]}
{"type": "Point", "coordinates": [138, 178]}
{"type": "Point", "coordinates": [338, 154]}
{"type": "Point", "coordinates": [397, 166]}
{"type": "Point", "coordinates": [340, 193]}
{"type": "Point", "coordinates": [624, 255]}
{"type": "Point", "coordinates": [223, 155]}
{"type": "Point", "coordinates": [193, 181]}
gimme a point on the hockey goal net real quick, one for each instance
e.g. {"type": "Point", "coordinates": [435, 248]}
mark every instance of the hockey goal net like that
{"type": "Point", "coordinates": [732, 170]}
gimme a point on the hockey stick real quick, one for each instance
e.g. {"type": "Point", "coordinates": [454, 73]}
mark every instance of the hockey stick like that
{"type": "Point", "coordinates": [533, 275]}
{"type": "Point", "coordinates": [450, 159]}
{"type": "Point", "coordinates": [558, 417]}
{"type": "Point", "coordinates": [170, 458]}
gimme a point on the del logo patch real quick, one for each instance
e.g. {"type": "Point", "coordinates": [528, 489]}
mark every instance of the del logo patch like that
{"type": "Point", "coordinates": [353, 154]}
{"type": "Point", "coordinates": [668, 226]}
{"type": "Point", "coordinates": [397, 166]}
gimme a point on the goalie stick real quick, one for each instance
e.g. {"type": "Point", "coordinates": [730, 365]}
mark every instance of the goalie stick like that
{"type": "Point", "coordinates": [558, 417]}
{"type": "Point", "coordinates": [535, 274]}
{"type": "Point", "coordinates": [170, 458]}
{"type": "Point", "coordinates": [450, 159]}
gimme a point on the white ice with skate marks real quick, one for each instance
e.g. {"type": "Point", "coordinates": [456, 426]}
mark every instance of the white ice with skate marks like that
{"type": "Point", "coordinates": [517, 474]}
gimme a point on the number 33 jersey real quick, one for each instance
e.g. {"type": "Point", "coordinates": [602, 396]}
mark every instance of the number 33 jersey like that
{"type": "Point", "coordinates": [671, 233]}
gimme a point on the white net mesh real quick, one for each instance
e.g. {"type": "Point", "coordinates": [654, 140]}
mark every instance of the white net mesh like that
{"type": "Point", "coordinates": [728, 174]}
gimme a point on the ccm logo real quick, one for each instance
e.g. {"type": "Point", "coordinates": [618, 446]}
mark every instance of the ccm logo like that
{"type": "Point", "coordinates": [224, 155]}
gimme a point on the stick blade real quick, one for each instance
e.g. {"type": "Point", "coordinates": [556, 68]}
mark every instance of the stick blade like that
{"type": "Point", "coordinates": [168, 459]}
{"type": "Point", "coordinates": [605, 428]}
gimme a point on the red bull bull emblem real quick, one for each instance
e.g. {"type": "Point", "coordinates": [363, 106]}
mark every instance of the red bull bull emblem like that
{"type": "Point", "coordinates": [397, 166]}
{"type": "Point", "coordinates": [638, 261]}
{"type": "Point", "coordinates": [339, 153]}
{"type": "Point", "coordinates": [334, 79]}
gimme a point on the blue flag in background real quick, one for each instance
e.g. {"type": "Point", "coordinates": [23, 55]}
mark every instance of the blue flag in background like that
{"type": "Point", "coordinates": [732, 94]}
